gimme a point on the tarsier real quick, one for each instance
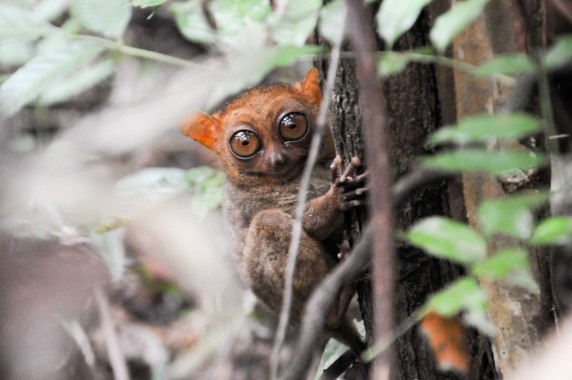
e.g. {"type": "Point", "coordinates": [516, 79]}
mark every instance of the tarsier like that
{"type": "Point", "coordinates": [262, 139]}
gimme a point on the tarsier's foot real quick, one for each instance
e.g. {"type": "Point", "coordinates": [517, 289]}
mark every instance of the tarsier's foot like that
{"type": "Point", "coordinates": [354, 188]}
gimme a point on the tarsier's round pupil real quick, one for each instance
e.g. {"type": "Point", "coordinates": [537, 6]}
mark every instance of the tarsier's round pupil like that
{"type": "Point", "coordinates": [293, 126]}
{"type": "Point", "coordinates": [244, 144]}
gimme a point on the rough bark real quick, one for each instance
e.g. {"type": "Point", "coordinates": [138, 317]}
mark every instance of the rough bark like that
{"type": "Point", "coordinates": [414, 110]}
{"type": "Point", "coordinates": [521, 317]}
{"type": "Point", "coordinates": [559, 23]}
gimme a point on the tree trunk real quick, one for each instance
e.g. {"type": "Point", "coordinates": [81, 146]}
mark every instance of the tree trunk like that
{"type": "Point", "coordinates": [414, 111]}
{"type": "Point", "coordinates": [521, 318]}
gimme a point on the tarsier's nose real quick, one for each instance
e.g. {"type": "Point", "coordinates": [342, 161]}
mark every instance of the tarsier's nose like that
{"type": "Point", "coordinates": [276, 158]}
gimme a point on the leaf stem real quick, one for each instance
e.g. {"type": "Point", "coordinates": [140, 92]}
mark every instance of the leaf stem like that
{"type": "Point", "coordinates": [419, 57]}
{"type": "Point", "coordinates": [293, 250]}
{"type": "Point", "coordinates": [456, 65]}
{"type": "Point", "coordinates": [138, 52]}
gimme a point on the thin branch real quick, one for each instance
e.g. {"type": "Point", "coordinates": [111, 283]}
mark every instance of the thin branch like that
{"type": "Point", "coordinates": [138, 52]}
{"type": "Point", "coordinates": [324, 297]}
{"type": "Point", "coordinates": [116, 357]}
{"type": "Point", "coordinates": [321, 302]}
{"type": "Point", "coordinates": [374, 116]}
{"type": "Point", "coordinates": [385, 342]}
{"type": "Point", "coordinates": [301, 205]}
{"type": "Point", "coordinates": [208, 14]}
{"type": "Point", "coordinates": [417, 56]}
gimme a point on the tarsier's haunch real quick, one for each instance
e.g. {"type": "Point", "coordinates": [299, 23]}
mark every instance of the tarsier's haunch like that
{"type": "Point", "coordinates": [262, 139]}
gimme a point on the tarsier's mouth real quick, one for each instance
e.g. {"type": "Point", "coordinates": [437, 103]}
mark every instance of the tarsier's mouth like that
{"type": "Point", "coordinates": [288, 171]}
{"type": "Point", "coordinates": [282, 173]}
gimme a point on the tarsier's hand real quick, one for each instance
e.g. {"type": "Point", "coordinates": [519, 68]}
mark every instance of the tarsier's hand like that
{"type": "Point", "coordinates": [353, 188]}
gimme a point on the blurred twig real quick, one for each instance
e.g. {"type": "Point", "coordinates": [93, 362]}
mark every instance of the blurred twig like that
{"type": "Point", "coordinates": [324, 296]}
{"type": "Point", "coordinates": [374, 116]}
{"type": "Point", "coordinates": [140, 53]}
{"type": "Point", "coordinates": [301, 203]}
{"type": "Point", "coordinates": [116, 357]}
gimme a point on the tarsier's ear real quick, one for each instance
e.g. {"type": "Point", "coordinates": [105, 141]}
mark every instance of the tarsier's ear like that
{"type": "Point", "coordinates": [310, 87]}
{"type": "Point", "coordinates": [202, 128]}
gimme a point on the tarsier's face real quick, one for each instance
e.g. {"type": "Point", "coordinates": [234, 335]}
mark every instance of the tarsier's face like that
{"type": "Point", "coordinates": [264, 135]}
{"type": "Point", "coordinates": [270, 137]}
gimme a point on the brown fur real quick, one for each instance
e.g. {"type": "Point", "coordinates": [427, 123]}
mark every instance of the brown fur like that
{"type": "Point", "coordinates": [261, 193]}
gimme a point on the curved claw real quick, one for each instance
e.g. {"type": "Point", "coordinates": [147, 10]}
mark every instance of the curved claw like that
{"type": "Point", "coordinates": [351, 195]}
{"type": "Point", "coordinates": [353, 203]}
{"type": "Point", "coordinates": [361, 178]}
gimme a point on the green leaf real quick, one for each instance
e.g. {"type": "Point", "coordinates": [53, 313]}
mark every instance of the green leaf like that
{"type": "Point", "coordinates": [50, 10]}
{"type": "Point", "coordinates": [15, 51]}
{"type": "Point", "coordinates": [555, 230]}
{"type": "Point", "coordinates": [499, 217]}
{"type": "Point", "coordinates": [77, 83]}
{"type": "Point", "coordinates": [463, 294]}
{"type": "Point", "coordinates": [111, 247]}
{"type": "Point", "coordinates": [108, 18]}
{"type": "Point", "coordinates": [392, 64]}
{"type": "Point", "coordinates": [286, 55]}
{"type": "Point", "coordinates": [476, 160]}
{"type": "Point", "coordinates": [506, 65]}
{"type": "Point", "coordinates": [235, 21]}
{"type": "Point", "coordinates": [250, 72]}
{"type": "Point", "coordinates": [145, 189]}
{"type": "Point", "coordinates": [510, 265]}
{"type": "Point", "coordinates": [21, 24]}
{"type": "Point", "coordinates": [560, 53]}
{"type": "Point", "coordinates": [478, 318]}
{"type": "Point", "coordinates": [486, 128]}
{"type": "Point", "coordinates": [234, 16]}
{"type": "Point", "coordinates": [454, 21]}
{"type": "Point", "coordinates": [192, 23]}
{"type": "Point", "coordinates": [499, 266]}
{"type": "Point", "coordinates": [147, 3]}
{"type": "Point", "coordinates": [395, 17]}
{"type": "Point", "coordinates": [43, 71]}
{"type": "Point", "coordinates": [331, 18]}
{"type": "Point", "coordinates": [297, 22]}
{"type": "Point", "coordinates": [332, 352]}
{"type": "Point", "coordinates": [510, 216]}
{"type": "Point", "coordinates": [208, 188]}
{"type": "Point", "coordinates": [196, 176]}
{"type": "Point", "coordinates": [448, 239]}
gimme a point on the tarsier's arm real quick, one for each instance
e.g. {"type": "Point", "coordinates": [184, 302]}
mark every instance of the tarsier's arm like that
{"type": "Point", "coordinates": [323, 214]}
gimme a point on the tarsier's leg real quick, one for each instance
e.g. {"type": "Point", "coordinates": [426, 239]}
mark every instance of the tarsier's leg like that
{"type": "Point", "coordinates": [354, 190]}
{"type": "Point", "coordinates": [338, 313]}
{"type": "Point", "coordinates": [266, 257]}
{"type": "Point", "coordinates": [265, 260]}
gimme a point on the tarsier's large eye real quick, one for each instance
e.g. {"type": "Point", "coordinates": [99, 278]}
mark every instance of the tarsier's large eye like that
{"type": "Point", "coordinates": [293, 126]}
{"type": "Point", "coordinates": [244, 144]}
